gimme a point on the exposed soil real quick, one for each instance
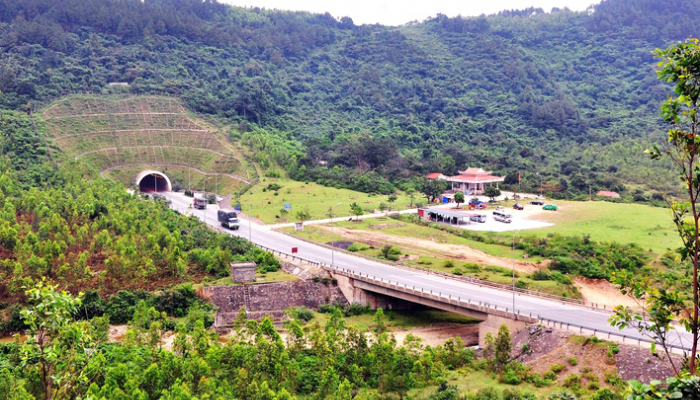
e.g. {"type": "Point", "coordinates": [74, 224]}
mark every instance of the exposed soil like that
{"type": "Point", "coordinates": [437, 334]}
{"type": "Point", "coordinates": [603, 292]}
{"type": "Point", "coordinates": [593, 361]}
{"type": "Point", "coordinates": [452, 251]}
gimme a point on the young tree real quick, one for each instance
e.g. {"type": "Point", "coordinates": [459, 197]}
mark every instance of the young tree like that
{"type": "Point", "coordinates": [502, 348]}
{"type": "Point", "coordinates": [680, 65]}
{"type": "Point", "coordinates": [64, 353]}
{"type": "Point", "coordinates": [492, 192]}
{"type": "Point", "coordinates": [459, 198]}
{"type": "Point", "coordinates": [357, 210]}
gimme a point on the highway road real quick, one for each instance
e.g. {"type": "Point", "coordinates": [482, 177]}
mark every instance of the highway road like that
{"type": "Point", "coordinates": [542, 308]}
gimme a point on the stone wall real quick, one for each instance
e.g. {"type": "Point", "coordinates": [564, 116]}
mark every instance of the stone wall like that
{"type": "Point", "coordinates": [268, 298]}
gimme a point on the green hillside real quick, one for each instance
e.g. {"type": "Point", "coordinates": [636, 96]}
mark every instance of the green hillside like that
{"type": "Point", "coordinates": [569, 95]}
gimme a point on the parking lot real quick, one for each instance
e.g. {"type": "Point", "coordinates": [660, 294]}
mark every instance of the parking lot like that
{"type": "Point", "coordinates": [522, 219]}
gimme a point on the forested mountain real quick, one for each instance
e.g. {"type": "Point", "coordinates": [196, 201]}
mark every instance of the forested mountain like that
{"type": "Point", "coordinates": [570, 95]}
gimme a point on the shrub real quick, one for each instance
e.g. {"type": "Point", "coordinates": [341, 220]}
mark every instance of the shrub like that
{"type": "Point", "coordinates": [541, 275]}
{"type": "Point", "coordinates": [457, 271]}
{"type": "Point", "coordinates": [605, 394]}
{"type": "Point", "coordinates": [448, 264]}
{"type": "Point", "coordinates": [549, 375]}
{"type": "Point", "coordinates": [557, 368]}
{"type": "Point", "coordinates": [304, 314]}
{"type": "Point", "coordinates": [572, 361]}
{"type": "Point", "coordinates": [515, 394]}
{"type": "Point", "coordinates": [471, 267]}
{"type": "Point", "coordinates": [572, 381]}
{"type": "Point", "coordinates": [353, 247]}
{"type": "Point", "coordinates": [510, 377]}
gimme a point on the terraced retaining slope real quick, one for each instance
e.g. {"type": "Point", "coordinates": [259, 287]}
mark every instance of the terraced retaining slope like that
{"type": "Point", "coordinates": [139, 131]}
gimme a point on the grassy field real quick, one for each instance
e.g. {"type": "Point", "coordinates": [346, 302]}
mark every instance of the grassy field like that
{"type": "Point", "coordinates": [650, 227]}
{"type": "Point", "coordinates": [311, 197]}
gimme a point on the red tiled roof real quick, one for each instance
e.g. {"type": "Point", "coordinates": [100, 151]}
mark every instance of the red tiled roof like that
{"type": "Point", "coordinates": [607, 193]}
{"type": "Point", "coordinates": [433, 175]}
{"type": "Point", "coordinates": [476, 178]}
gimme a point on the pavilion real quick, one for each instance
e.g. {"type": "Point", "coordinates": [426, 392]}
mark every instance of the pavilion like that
{"type": "Point", "coordinates": [471, 182]}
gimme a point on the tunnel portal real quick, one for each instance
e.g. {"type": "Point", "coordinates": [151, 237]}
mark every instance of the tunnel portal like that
{"type": "Point", "coordinates": [153, 181]}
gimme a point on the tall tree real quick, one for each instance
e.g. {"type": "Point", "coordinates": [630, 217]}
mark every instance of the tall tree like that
{"type": "Point", "coordinates": [432, 188]}
{"type": "Point", "coordinates": [680, 65]}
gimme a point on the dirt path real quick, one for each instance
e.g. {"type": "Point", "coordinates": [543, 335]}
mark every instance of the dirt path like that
{"type": "Point", "coordinates": [427, 247]}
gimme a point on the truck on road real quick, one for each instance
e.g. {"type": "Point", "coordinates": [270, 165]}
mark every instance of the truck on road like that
{"type": "Point", "coordinates": [228, 219]}
{"type": "Point", "coordinates": [200, 203]}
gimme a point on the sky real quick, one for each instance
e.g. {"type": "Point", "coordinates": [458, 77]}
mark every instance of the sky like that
{"type": "Point", "coordinates": [399, 12]}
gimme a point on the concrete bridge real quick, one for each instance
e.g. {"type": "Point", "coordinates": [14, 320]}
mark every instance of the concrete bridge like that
{"type": "Point", "coordinates": [378, 292]}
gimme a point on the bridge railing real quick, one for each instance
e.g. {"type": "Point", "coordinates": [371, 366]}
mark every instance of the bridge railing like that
{"type": "Point", "coordinates": [469, 279]}
{"type": "Point", "coordinates": [469, 303]}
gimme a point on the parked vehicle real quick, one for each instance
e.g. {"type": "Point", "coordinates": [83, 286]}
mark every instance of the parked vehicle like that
{"type": "Point", "coordinates": [518, 206]}
{"type": "Point", "coordinates": [500, 216]}
{"type": "Point", "coordinates": [551, 207]}
{"type": "Point", "coordinates": [481, 218]}
{"type": "Point", "coordinates": [499, 208]}
{"type": "Point", "coordinates": [477, 206]}
{"type": "Point", "coordinates": [537, 202]}
{"type": "Point", "coordinates": [228, 219]}
{"type": "Point", "coordinates": [200, 203]}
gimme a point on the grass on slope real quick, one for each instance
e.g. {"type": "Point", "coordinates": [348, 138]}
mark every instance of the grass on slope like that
{"type": "Point", "coordinates": [650, 227]}
{"type": "Point", "coordinates": [312, 197]}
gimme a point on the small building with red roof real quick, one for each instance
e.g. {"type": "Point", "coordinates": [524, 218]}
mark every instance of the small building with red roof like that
{"type": "Point", "coordinates": [436, 175]}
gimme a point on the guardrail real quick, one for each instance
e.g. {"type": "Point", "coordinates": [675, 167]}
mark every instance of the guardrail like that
{"type": "Point", "coordinates": [468, 279]}
{"type": "Point", "coordinates": [469, 302]}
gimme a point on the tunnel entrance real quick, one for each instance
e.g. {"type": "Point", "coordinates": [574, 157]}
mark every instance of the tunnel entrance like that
{"type": "Point", "coordinates": [153, 181]}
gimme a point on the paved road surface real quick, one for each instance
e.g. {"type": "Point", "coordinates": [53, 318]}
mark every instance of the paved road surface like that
{"type": "Point", "coordinates": [543, 308]}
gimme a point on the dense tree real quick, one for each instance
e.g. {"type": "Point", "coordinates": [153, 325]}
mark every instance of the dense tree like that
{"type": "Point", "coordinates": [432, 188]}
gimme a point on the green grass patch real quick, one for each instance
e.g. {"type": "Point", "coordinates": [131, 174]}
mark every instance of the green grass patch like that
{"type": "Point", "coordinates": [401, 319]}
{"type": "Point", "coordinates": [650, 227]}
{"type": "Point", "coordinates": [311, 197]}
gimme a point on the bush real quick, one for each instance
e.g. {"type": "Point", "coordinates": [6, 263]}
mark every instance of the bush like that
{"type": "Point", "coordinates": [572, 361]}
{"type": "Point", "coordinates": [390, 253]}
{"type": "Point", "coordinates": [353, 247]}
{"type": "Point", "coordinates": [448, 264]}
{"type": "Point", "coordinates": [541, 275]}
{"type": "Point", "coordinates": [457, 272]}
{"type": "Point", "coordinates": [605, 394]}
{"type": "Point", "coordinates": [572, 381]}
{"type": "Point", "coordinates": [303, 314]}
{"type": "Point", "coordinates": [515, 394]}
{"type": "Point", "coordinates": [557, 368]}
{"type": "Point", "coordinates": [510, 377]}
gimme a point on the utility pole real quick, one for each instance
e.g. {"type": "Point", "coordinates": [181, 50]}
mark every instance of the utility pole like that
{"type": "Point", "coordinates": [333, 237]}
{"type": "Point", "coordinates": [250, 216]}
{"type": "Point", "coordinates": [516, 233]}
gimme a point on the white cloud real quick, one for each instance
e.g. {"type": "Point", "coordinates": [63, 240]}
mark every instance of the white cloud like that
{"type": "Point", "coordinates": [398, 12]}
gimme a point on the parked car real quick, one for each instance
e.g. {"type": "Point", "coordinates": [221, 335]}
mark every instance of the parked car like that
{"type": "Point", "coordinates": [537, 203]}
{"type": "Point", "coordinates": [551, 207]}
{"type": "Point", "coordinates": [518, 206]}
{"type": "Point", "coordinates": [499, 208]}
{"type": "Point", "coordinates": [481, 218]}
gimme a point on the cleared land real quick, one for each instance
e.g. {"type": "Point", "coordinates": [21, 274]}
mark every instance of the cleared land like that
{"type": "Point", "coordinates": [118, 134]}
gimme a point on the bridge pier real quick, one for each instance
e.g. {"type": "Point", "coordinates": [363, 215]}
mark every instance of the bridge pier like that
{"type": "Point", "coordinates": [388, 296]}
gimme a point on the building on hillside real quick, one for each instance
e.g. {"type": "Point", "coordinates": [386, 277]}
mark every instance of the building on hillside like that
{"type": "Point", "coordinates": [436, 175]}
{"type": "Point", "coordinates": [606, 193]}
{"type": "Point", "coordinates": [471, 182]}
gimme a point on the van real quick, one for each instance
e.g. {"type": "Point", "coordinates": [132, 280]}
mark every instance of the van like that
{"type": "Point", "coordinates": [228, 219]}
{"type": "Point", "coordinates": [502, 217]}
{"type": "Point", "coordinates": [481, 218]}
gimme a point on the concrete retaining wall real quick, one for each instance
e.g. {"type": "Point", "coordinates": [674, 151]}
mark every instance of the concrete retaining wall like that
{"type": "Point", "coordinates": [269, 298]}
